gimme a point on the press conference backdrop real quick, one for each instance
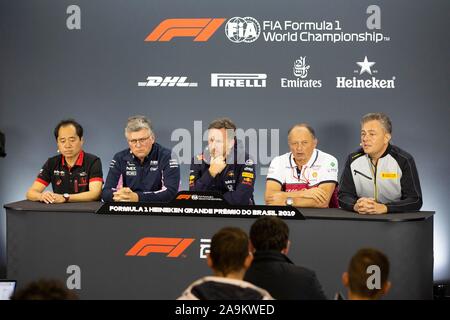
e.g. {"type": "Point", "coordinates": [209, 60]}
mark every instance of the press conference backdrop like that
{"type": "Point", "coordinates": [265, 64]}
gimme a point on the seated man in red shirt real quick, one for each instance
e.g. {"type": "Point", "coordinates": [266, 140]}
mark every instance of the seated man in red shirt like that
{"type": "Point", "coordinates": [75, 176]}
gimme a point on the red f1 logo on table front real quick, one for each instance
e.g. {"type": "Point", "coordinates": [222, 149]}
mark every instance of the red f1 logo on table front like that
{"type": "Point", "coordinates": [201, 28]}
{"type": "Point", "coordinates": [183, 197]}
{"type": "Point", "coordinates": [174, 247]}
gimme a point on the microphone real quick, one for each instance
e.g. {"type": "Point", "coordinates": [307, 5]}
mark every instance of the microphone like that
{"type": "Point", "coordinates": [2, 145]}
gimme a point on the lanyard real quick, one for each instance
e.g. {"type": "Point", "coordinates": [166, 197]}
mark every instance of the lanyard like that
{"type": "Point", "coordinates": [299, 173]}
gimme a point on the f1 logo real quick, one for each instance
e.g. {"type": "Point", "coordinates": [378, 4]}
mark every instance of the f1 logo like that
{"type": "Point", "coordinates": [174, 247]}
{"type": "Point", "coordinates": [183, 197]}
{"type": "Point", "coordinates": [202, 29]}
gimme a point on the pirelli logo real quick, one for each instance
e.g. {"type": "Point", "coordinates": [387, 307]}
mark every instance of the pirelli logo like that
{"type": "Point", "coordinates": [173, 247]}
{"type": "Point", "coordinates": [201, 29]}
{"type": "Point", "coordinates": [239, 80]}
{"type": "Point", "coordinates": [389, 175]}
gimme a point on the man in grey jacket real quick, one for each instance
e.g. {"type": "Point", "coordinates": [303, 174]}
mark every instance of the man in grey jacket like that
{"type": "Point", "coordinates": [379, 177]}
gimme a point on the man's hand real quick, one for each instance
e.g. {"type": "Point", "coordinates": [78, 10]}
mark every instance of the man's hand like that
{"type": "Point", "coordinates": [379, 208]}
{"type": "Point", "coordinates": [277, 199]}
{"type": "Point", "coordinates": [125, 195]}
{"type": "Point", "coordinates": [59, 198]}
{"type": "Point", "coordinates": [364, 205]}
{"type": "Point", "coordinates": [48, 197]}
{"type": "Point", "coordinates": [369, 206]}
{"type": "Point", "coordinates": [318, 195]}
{"type": "Point", "coordinates": [216, 166]}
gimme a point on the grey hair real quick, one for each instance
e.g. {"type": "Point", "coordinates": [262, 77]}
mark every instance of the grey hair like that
{"type": "Point", "coordinates": [303, 125]}
{"type": "Point", "coordinates": [379, 116]}
{"type": "Point", "coordinates": [137, 123]}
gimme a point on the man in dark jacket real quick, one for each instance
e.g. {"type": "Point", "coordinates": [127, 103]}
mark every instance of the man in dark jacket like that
{"type": "Point", "coordinates": [225, 168]}
{"type": "Point", "coordinates": [144, 172]}
{"type": "Point", "coordinates": [272, 270]}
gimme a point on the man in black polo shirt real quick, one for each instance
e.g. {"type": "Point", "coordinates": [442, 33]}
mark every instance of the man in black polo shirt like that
{"type": "Point", "coordinates": [75, 176]}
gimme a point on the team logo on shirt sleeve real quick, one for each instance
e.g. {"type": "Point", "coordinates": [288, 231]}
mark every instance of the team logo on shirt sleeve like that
{"type": "Point", "coordinates": [249, 169]}
{"type": "Point", "coordinates": [249, 162]}
{"type": "Point", "coordinates": [173, 163]}
{"type": "Point", "coordinates": [332, 168]}
{"type": "Point", "coordinates": [248, 175]}
{"type": "Point", "coordinates": [112, 163]}
{"type": "Point", "coordinates": [191, 180]}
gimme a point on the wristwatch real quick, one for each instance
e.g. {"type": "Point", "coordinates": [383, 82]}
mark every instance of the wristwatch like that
{"type": "Point", "coordinates": [289, 201]}
{"type": "Point", "coordinates": [66, 197]}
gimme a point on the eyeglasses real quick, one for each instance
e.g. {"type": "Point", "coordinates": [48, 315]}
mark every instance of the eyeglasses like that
{"type": "Point", "coordinates": [141, 140]}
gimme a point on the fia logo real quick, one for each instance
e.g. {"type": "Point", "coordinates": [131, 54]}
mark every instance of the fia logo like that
{"type": "Point", "coordinates": [240, 30]}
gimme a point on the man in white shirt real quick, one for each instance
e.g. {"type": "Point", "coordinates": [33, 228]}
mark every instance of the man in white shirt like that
{"type": "Point", "coordinates": [305, 176]}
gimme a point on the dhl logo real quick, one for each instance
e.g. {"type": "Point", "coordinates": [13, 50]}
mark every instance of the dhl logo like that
{"type": "Point", "coordinates": [174, 247]}
{"type": "Point", "coordinates": [200, 28]}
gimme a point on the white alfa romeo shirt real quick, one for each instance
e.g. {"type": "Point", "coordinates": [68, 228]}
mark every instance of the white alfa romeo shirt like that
{"type": "Point", "coordinates": [321, 168]}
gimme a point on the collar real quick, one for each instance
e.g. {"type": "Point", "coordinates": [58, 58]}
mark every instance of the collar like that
{"type": "Point", "coordinates": [271, 255]}
{"type": "Point", "coordinates": [79, 161]}
{"type": "Point", "coordinates": [310, 162]}
{"type": "Point", "coordinates": [387, 151]}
